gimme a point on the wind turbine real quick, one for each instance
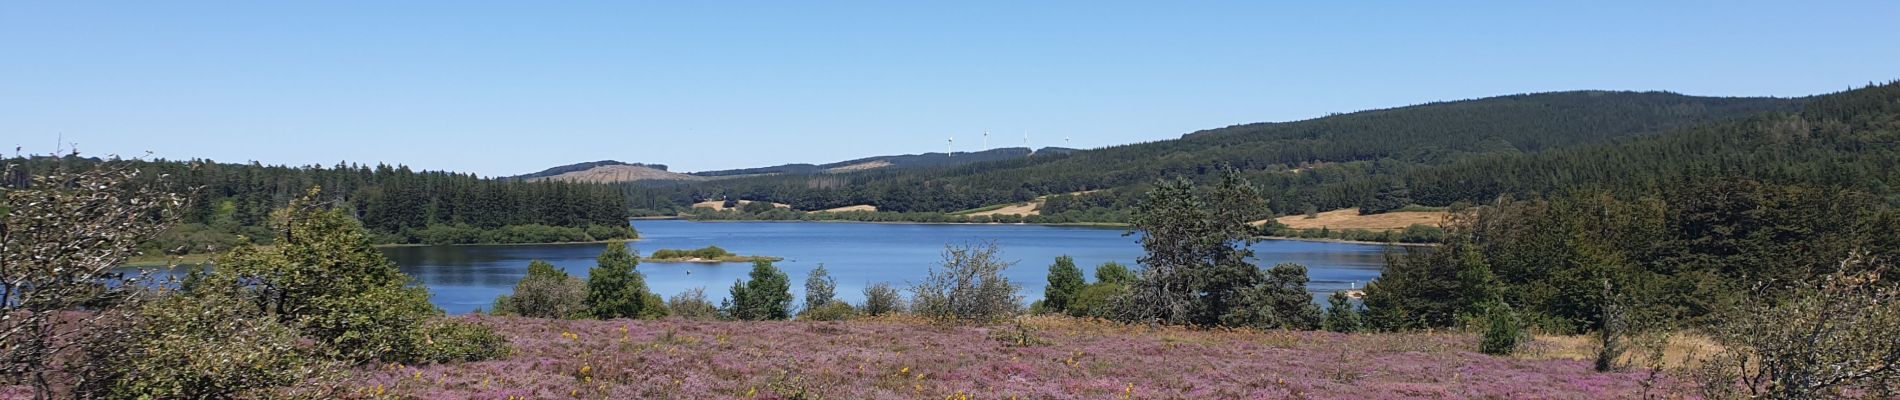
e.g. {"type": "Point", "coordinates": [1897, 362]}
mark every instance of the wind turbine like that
{"type": "Point", "coordinates": [948, 145]}
{"type": "Point", "coordinates": [986, 140]}
{"type": "Point", "coordinates": [1065, 141]}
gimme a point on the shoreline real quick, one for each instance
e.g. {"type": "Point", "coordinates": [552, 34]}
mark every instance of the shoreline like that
{"type": "Point", "coordinates": [1060, 224]}
{"type": "Point", "coordinates": [503, 244]}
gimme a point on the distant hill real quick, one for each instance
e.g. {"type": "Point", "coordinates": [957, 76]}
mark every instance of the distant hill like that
{"type": "Point", "coordinates": [892, 162]}
{"type": "Point", "coordinates": [1332, 162]}
{"type": "Point", "coordinates": [607, 171]}
{"type": "Point", "coordinates": [583, 167]}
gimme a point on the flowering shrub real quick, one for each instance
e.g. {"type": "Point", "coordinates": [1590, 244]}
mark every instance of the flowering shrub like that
{"type": "Point", "coordinates": [895, 357]}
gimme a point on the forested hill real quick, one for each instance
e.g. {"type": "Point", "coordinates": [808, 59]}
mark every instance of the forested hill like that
{"type": "Point", "coordinates": [1330, 162]}
{"type": "Point", "coordinates": [395, 203]}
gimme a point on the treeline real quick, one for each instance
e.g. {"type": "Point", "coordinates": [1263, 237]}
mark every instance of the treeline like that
{"type": "Point", "coordinates": [1333, 162]}
{"type": "Point", "coordinates": [395, 203]}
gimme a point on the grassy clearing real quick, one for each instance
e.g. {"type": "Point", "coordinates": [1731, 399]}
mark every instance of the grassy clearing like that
{"type": "Point", "coordinates": [1349, 218]}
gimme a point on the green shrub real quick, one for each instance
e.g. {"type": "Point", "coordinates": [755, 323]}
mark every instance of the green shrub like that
{"type": "Point", "coordinates": [450, 340]}
{"type": "Point", "coordinates": [208, 344]}
{"type": "Point", "coordinates": [323, 278]}
{"type": "Point", "coordinates": [766, 296]}
{"type": "Point", "coordinates": [1065, 281]}
{"type": "Point", "coordinates": [969, 288]}
{"type": "Point", "coordinates": [832, 311]}
{"type": "Point", "coordinates": [1341, 315]}
{"type": "Point", "coordinates": [881, 299]}
{"type": "Point", "coordinates": [652, 306]}
{"type": "Point", "coordinates": [1502, 331]}
{"type": "Point", "coordinates": [692, 304]}
{"type": "Point", "coordinates": [1097, 300]}
{"type": "Point", "coordinates": [614, 288]}
{"type": "Point", "coordinates": [819, 288]}
{"type": "Point", "coordinates": [547, 292]}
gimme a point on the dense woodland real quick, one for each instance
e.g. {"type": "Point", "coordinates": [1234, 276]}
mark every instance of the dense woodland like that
{"type": "Point", "coordinates": [396, 204]}
{"type": "Point", "coordinates": [1331, 162]}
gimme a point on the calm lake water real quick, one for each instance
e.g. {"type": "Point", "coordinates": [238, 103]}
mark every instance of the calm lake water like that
{"type": "Point", "coordinates": [466, 278]}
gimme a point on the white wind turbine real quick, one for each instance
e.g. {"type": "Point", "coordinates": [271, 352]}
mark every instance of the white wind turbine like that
{"type": "Point", "coordinates": [948, 145]}
{"type": "Point", "coordinates": [986, 140]}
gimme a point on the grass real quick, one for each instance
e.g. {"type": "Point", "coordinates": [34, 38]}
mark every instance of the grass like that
{"type": "Point", "coordinates": [1349, 218]}
{"type": "Point", "coordinates": [903, 357]}
{"type": "Point", "coordinates": [985, 208]}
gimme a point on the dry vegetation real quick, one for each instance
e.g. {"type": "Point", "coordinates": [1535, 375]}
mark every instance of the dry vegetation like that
{"type": "Point", "coordinates": [856, 208]}
{"type": "Point", "coordinates": [720, 205]}
{"type": "Point", "coordinates": [1349, 218]}
{"type": "Point", "coordinates": [622, 173]}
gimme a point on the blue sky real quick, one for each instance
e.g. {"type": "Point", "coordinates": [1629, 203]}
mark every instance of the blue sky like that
{"type": "Point", "coordinates": [505, 88]}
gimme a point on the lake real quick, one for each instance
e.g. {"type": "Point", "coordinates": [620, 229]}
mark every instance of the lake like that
{"type": "Point", "coordinates": [467, 278]}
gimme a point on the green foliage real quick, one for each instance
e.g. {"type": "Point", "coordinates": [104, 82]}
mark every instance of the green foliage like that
{"type": "Point", "coordinates": [1098, 300]}
{"type": "Point", "coordinates": [1391, 197]}
{"type": "Point", "coordinates": [1196, 268]}
{"type": "Point", "coordinates": [1503, 332]}
{"type": "Point", "coordinates": [1342, 160]}
{"type": "Point", "coordinates": [614, 288]}
{"type": "Point", "coordinates": [692, 304]}
{"type": "Point", "coordinates": [324, 279]}
{"type": "Point", "coordinates": [1341, 315]}
{"type": "Point", "coordinates": [1429, 288]}
{"type": "Point", "coordinates": [453, 340]}
{"type": "Point", "coordinates": [881, 299]}
{"type": "Point", "coordinates": [547, 292]}
{"type": "Point", "coordinates": [207, 343]}
{"type": "Point", "coordinates": [766, 296]}
{"type": "Point", "coordinates": [652, 306]}
{"type": "Point", "coordinates": [820, 288]}
{"type": "Point", "coordinates": [1279, 302]}
{"type": "Point", "coordinates": [1114, 273]}
{"type": "Point", "coordinates": [394, 203]}
{"type": "Point", "coordinates": [1065, 281]}
{"type": "Point", "coordinates": [969, 287]}
{"type": "Point", "coordinates": [707, 253]}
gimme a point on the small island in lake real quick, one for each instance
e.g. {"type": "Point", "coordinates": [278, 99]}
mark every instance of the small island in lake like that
{"type": "Point", "coordinates": [709, 254]}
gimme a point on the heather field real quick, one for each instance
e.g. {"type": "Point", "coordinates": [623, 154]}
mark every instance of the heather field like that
{"type": "Point", "coordinates": [901, 358]}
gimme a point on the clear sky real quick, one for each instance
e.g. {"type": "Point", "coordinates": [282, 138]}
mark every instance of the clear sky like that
{"type": "Point", "coordinates": [505, 88]}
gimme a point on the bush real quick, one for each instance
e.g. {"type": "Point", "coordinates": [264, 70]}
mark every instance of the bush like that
{"type": "Point", "coordinates": [324, 279]}
{"type": "Point", "coordinates": [207, 344]}
{"type": "Point", "coordinates": [881, 299]}
{"type": "Point", "coordinates": [767, 296]}
{"type": "Point", "coordinates": [547, 292]}
{"type": "Point", "coordinates": [614, 288]}
{"type": "Point", "coordinates": [969, 288]}
{"type": "Point", "coordinates": [1830, 338]}
{"type": "Point", "coordinates": [1341, 315]}
{"type": "Point", "coordinates": [1502, 331]}
{"type": "Point", "coordinates": [652, 306]}
{"type": "Point", "coordinates": [1065, 281]}
{"type": "Point", "coordinates": [452, 340]}
{"type": "Point", "coordinates": [832, 311]}
{"type": "Point", "coordinates": [692, 304]}
{"type": "Point", "coordinates": [1097, 300]}
{"type": "Point", "coordinates": [1279, 301]}
{"type": "Point", "coordinates": [819, 288]}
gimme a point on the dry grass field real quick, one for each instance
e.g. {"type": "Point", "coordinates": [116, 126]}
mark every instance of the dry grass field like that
{"type": "Point", "coordinates": [1349, 218]}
